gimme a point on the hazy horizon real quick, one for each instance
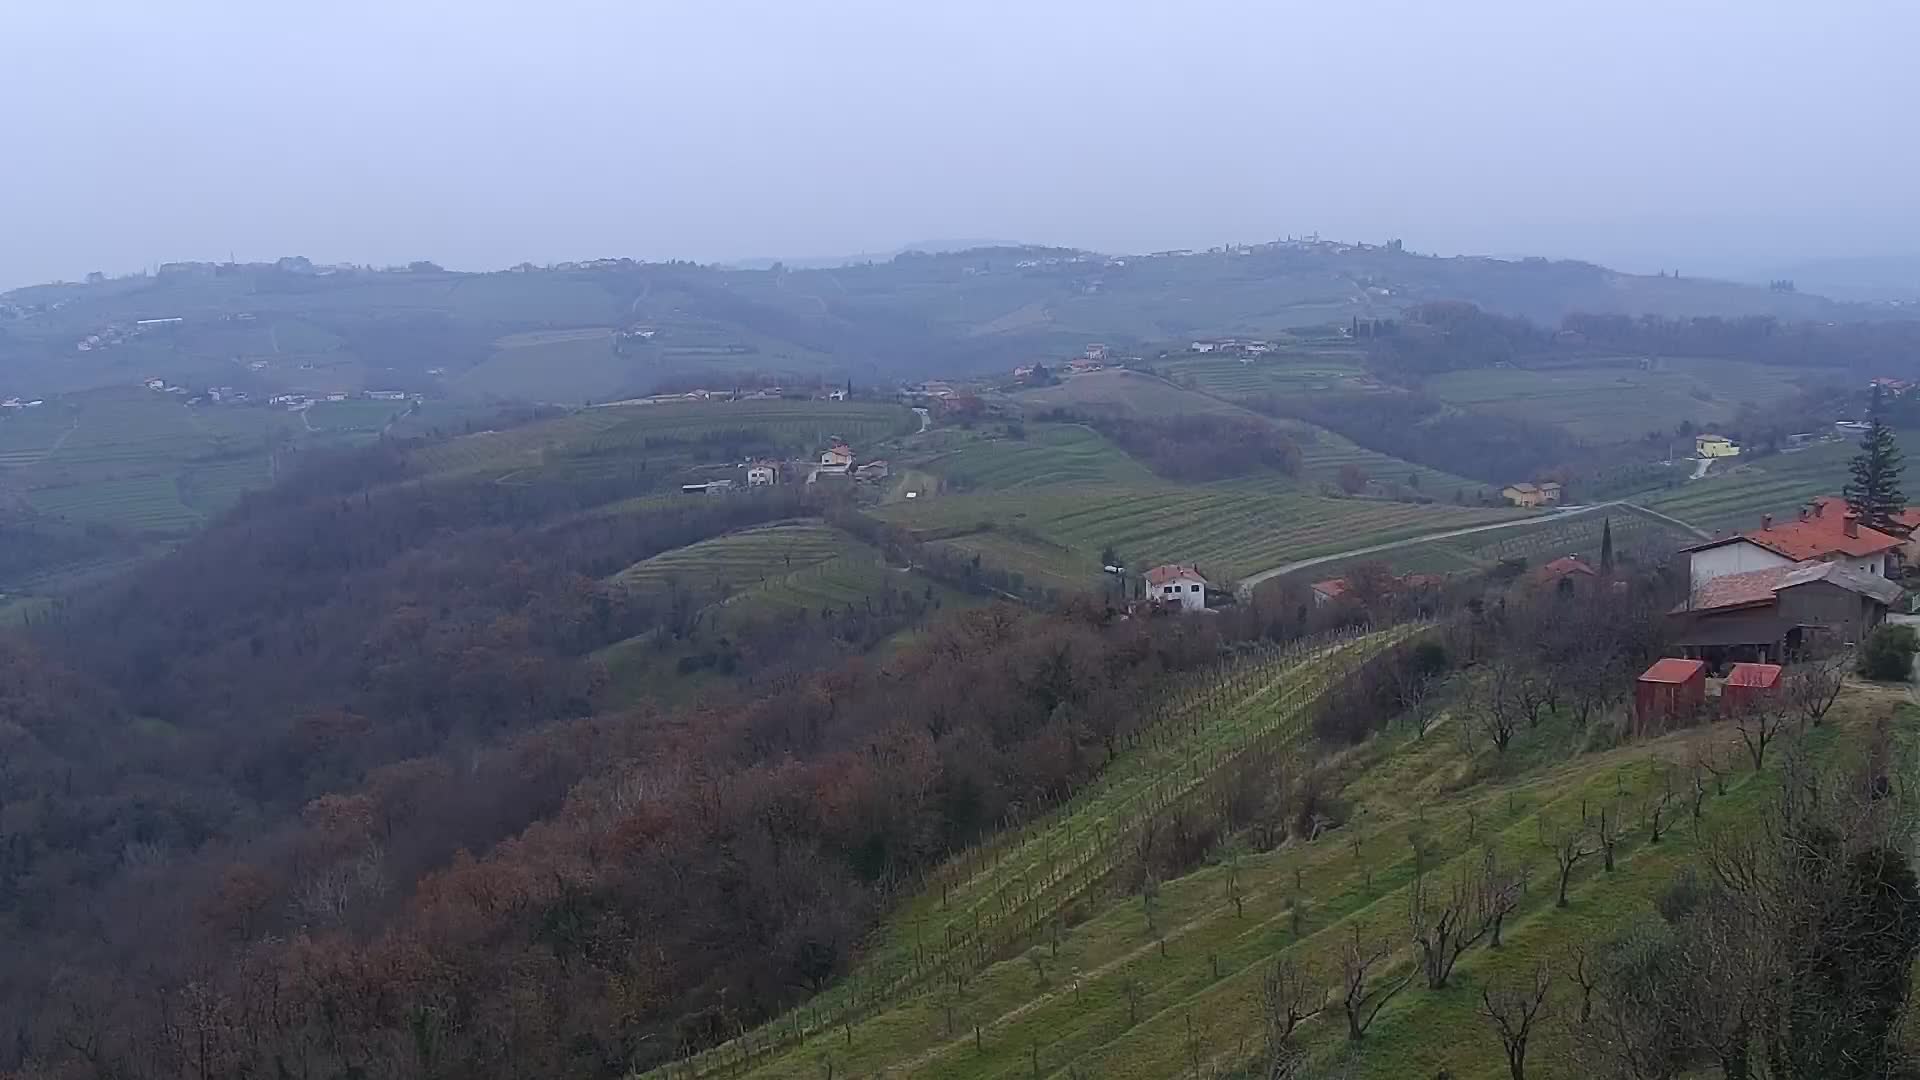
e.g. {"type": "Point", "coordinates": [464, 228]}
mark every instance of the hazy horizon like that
{"type": "Point", "coordinates": [1716, 140]}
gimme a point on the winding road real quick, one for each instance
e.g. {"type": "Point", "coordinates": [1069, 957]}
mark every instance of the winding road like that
{"type": "Point", "coordinates": [1248, 583]}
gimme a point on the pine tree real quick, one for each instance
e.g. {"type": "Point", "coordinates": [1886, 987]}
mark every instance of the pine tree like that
{"type": "Point", "coordinates": [1874, 491]}
{"type": "Point", "coordinates": [1606, 546]}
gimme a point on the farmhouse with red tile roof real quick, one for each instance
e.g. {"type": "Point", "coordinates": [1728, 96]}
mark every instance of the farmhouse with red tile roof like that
{"type": "Point", "coordinates": [1826, 531]}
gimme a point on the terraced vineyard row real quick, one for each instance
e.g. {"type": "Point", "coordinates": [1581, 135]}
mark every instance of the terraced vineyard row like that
{"type": "Point", "coordinates": [746, 556]}
{"type": "Point", "coordinates": [990, 899]}
{"type": "Point", "coordinates": [1050, 454]}
{"type": "Point", "coordinates": [1228, 532]}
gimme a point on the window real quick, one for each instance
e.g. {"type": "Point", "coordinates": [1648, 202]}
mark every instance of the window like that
{"type": "Point", "coordinates": [1193, 588]}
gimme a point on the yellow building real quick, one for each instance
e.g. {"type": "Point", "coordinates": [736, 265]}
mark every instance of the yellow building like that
{"type": "Point", "coordinates": [1545, 494]}
{"type": "Point", "coordinates": [1713, 446]}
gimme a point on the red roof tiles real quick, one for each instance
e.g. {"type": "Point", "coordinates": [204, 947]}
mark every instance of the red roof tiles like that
{"type": "Point", "coordinates": [1822, 533]}
{"type": "Point", "coordinates": [1172, 572]}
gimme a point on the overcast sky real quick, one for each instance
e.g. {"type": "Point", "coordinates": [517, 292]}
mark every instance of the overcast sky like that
{"type": "Point", "coordinates": [482, 133]}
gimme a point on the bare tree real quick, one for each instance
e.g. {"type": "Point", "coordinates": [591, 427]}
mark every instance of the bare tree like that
{"type": "Point", "coordinates": [1500, 892]}
{"type": "Point", "coordinates": [1606, 829]}
{"type": "Point", "coordinates": [1444, 927]}
{"type": "Point", "coordinates": [1811, 686]}
{"type": "Point", "coordinates": [1657, 809]}
{"type": "Point", "coordinates": [1569, 847]}
{"type": "Point", "coordinates": [1759, 725]}
{"type": "Point", "coordinates": [1364, 995]}
{"type": "Point", "coordinates": [1514, 1010]}
{"type": "Point", "coordinates": [1489, 711]}
{"type": "Point", "coordinates": [1289, 996]}
{"type": "Point", "coordinates": [1415, 690]}
{"type": "Point", "coordinates": [1578, 962]}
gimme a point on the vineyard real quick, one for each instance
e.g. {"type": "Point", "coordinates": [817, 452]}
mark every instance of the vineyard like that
{"type": "Point", "coordinates": [993, 898]}
{"type": "Point", "coordinates": [1735, 494]}
{"type": "Point", "coordinates": [1616, 399]}
{"type": "Point", "coordinates": [751, 555]}
{"type": "Point", "coordinates": [1228, 532]}
{"type": "Point", "coordinates": [1304, 372]}
{"type": "Point", "coordinates": [701, 430]}
{"type": "Point", "coordinates": [1168, 983]}
{"type": "Point", "coordinates": [1050, 454]}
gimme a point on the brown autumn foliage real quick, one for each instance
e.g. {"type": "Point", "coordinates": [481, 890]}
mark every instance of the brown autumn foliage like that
{"type": "Point", "coordinates": [329, 791]}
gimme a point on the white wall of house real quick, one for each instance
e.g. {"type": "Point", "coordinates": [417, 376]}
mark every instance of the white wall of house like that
{"type": "Point", "coordinates": [1189, 593]}
{"type": "Point", "coordinates": [1735, 558]}
{"type": "Point", "coordinates": [1875, 565]}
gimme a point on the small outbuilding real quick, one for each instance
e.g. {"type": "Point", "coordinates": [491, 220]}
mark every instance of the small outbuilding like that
{"type": "Point", "coordinates": [1749, 686]}
{"type": "Point", "coordinates": [1670, 688]}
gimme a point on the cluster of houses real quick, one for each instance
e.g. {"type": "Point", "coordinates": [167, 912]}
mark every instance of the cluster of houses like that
{"type": "Point", "coordinates": [117, 333]}
{"type": "Point", "coordinates": [292, 402]}
{"type": "Point", "coordinates": [1093, 358]}
{"type": "Point", "coordinates": [1765, 594]}
{"type": "Point", "coordinates": [836, 460]}
{"type": "Point", "coordinates": [1246, 350]}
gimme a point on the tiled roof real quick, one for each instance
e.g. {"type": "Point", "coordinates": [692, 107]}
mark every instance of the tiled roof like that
{"type": "Point", "coordinates": [1671, 670]}
{"type": "Point", "coordinates": [1332, 587]}
{"type": "Point", "coordinates": [1562, 567]}
{"type": "Point", "coordinates": [1172, 572]}
{"type": "Point", "coordinates": [1759, 586]}
{"type": "Point", "coordinates": [1821, 534]}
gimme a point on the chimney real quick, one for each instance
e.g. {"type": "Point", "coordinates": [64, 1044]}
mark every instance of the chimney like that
{"type": "Point", "coordinates": [1766, 522]}
{"type": "Point", "coordinates": [1852, 526]}
{"type": "Point", "coordinates": [1806, 512]}
{"type": "Point", "coordinates": [1819, 508]}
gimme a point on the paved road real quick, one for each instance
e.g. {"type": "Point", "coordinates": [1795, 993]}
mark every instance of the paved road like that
{"type": "Point", "coordinates": [1248, 583]}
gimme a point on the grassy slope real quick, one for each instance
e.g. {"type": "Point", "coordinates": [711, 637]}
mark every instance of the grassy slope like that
{"type": "Point", "coordinates": [1322, 452]}
{"type": "Point", "coordinates": [778, 569]}
{"type": "Point", "coordinates": [994, 896]}
{"type": "Point", "coordinates": [1065, 1011]}
{"type": "Point", "coordinates": [1535, 544]}
{"type": "Point", "coordinates": [1735, 493]}
{"type": "Point", "coordinates": [623, 432]}
{"type": "Point", "coordinates": [1228, 532]}
{"type": "Point", "coordinates": [1611, 400]}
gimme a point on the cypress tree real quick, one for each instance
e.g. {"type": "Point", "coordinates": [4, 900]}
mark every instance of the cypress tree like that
{"type": "Point", "coordinates": [1874, 491]}
{"type": "Point", "coordinates": [1606, 546]}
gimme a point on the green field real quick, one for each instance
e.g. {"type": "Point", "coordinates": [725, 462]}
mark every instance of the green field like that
{"type": "Point", "coordinates": [560, 366]}
{"type": "Point", "coordinates": [698, 431]}
{"type": "Point", "coordinates": [1634, 534]}
{"type": "Point", "coordinates": [139, 460]}
{"type": "Point", "coordinates": [1323, 453]}
{"type": "Point", "coordinates": [1050, 454]}
{"type": "Point", "coordinates": [1615, 400]}
{"type": "Point", "coordinates": [1229, 533]}
{"type": "Point", "coordinates": [1288, 372]}
{"type": "Point", "coordinates": [1107, 991]}
{"type": "Point", "coordinates": [752, 555]}
{"type": "Point", "coordinates": [1734, 494]}
{"type": "Point", "coordinates": [356, 415]}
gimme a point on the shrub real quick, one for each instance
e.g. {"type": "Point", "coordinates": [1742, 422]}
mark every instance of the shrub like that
{"type": "Point", "coordinates": [1888, 653]}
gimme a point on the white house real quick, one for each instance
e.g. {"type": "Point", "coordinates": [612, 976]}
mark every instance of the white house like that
{"type": "Point", "coordinates": [839, 455]}
{"type": "Point", "coordinates": [1826, 531]}
{"type": "Point", "coordinates": [1176, 584]}
{"type": "Point", "coordinates": [762, 474]}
